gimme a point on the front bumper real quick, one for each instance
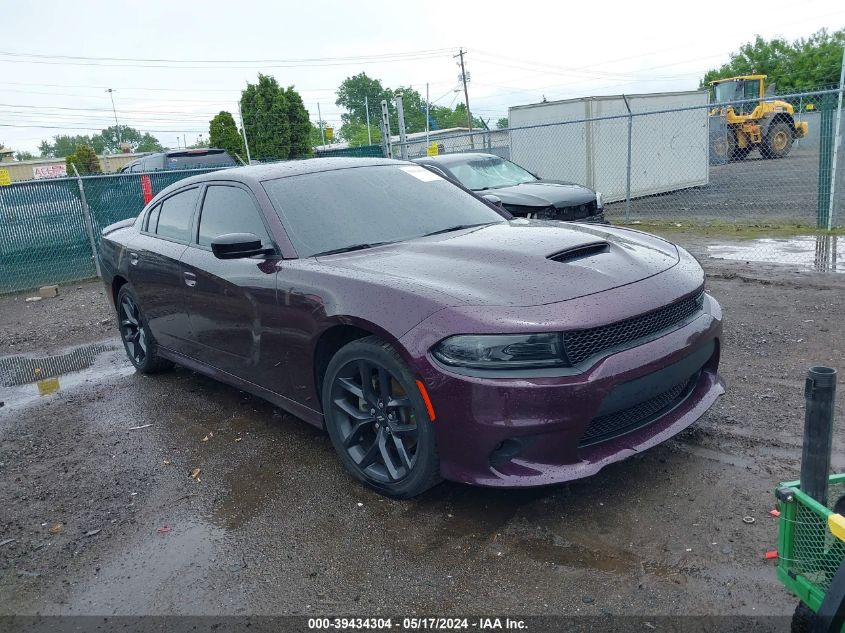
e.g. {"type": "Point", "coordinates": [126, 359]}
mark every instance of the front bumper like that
{"type": "Point", "coordinates": [529, 431]}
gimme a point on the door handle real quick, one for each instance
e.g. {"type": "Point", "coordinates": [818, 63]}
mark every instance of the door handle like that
{"type": "Point", "coordinates": [190, 279]}
{"type": "Point", "coordinates": [133, 259]}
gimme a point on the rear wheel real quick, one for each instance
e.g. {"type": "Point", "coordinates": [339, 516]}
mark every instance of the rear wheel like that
{"type": "Point", "coordinates": [137, 339]}
{"type": "Point", "coordinates": [778, 141]}
{"type": "Point", "coordinates": [377, 420]}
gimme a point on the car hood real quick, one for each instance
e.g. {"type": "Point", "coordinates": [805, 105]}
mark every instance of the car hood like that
{"type": "Point", "coordinates": [509, 263]}
{"type": "Point", "coordinates": [543, 193]}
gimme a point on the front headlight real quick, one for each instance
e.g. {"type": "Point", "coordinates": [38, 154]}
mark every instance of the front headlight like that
{"type": "Point", "coordinates": [500, 351]}
{"type": "Point", "coordinates": [599, 201]}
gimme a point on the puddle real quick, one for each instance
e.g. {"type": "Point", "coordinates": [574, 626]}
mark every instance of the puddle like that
{"type": "Point", "coordinates": [823, 253]}
{"type": "Point", "coordinates": [25, 378]}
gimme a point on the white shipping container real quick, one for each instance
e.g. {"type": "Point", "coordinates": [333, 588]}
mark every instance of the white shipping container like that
{"type": "Point", "coordinates": [669, 150]}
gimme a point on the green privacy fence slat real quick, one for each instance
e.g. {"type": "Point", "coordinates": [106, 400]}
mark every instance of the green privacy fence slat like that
{"type": "Point", "coordinates": [42, 226]}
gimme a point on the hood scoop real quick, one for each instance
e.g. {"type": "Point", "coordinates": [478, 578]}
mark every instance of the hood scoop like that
{"type": "Point", "coordinates": [580, 251]}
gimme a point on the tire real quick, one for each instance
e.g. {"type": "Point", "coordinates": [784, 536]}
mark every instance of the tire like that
{"type": "Point", "coordinates": [377, 420]}
{"type": "Point", "coordinates": [740, 153]}
{"type": "Point", "coordinates": [719, 151]}
{"type": "Point", "coordinates": [778, 141]}
{"type": "Point", "coordinates": [803, 619]}
{"type": "Point", "coordinates": [138, 341]}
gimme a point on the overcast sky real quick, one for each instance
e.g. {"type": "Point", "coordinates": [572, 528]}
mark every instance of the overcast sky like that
{"type": "Point", "coordinates": [517, 52]}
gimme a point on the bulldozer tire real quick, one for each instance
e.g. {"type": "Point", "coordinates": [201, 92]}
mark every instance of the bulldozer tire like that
{"type": "Point", "coordinates": [740, 153]}
{"type": "Point", "coordinates": [778, 141]}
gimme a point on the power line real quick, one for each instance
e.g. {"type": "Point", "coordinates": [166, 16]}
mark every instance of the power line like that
{"type": "Point", "coordinates": [212, 67]}
{"type": "Point", "coordinates": [430, 51]}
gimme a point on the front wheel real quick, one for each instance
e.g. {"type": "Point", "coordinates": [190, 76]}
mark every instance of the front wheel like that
{"type": "Point", "coordinates": [137, 339]}
{"type": "Point", "coordinates": [377, 420]}
{"type": "Point", "coordinates": [778, 141]}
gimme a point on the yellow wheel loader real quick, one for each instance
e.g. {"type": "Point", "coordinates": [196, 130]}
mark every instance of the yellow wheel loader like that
{"type": "Point", "coordinates": [765, 124]}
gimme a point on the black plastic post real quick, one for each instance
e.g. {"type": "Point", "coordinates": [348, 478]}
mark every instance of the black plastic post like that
{"type": "Point", "coordinates": [819, 393]}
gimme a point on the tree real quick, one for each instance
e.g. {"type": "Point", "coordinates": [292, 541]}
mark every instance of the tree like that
{"type": "Point", "coordinates": [265, 117]}
{"type": "Point", "coordinates": [62, 145]}
{"type": "Point", "coordinates": [355, 92]}
{"type": "Point", "coordinates": [223, 133]}
{"type": "Point", "coordinates": [805, 64]}
{"type": "Point", "coordinates": [503, 123]}
{"type": "Point", "coordinates": [130, 138]}
{"type": "Point", "coordinates": [24, 155]}
{"type": "Point", "coordinates": [300, 124]}
{"type": "Point", "coordinates": [105, 141]}
{"type": "Point", "coordinates": [85, 159]}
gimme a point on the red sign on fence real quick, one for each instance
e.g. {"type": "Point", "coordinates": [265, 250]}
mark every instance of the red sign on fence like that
{"type": "Point", "coordinates": [146, 188]}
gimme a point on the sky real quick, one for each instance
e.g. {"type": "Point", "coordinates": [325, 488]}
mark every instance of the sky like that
{"type": "Point", "coordinates": [173, 65]}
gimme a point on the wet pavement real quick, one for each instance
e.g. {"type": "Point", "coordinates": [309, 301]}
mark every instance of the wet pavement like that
{"type": "Point", "coordinates": [822, 253]}
{"type": "Point", "coordinates": [272, 525]}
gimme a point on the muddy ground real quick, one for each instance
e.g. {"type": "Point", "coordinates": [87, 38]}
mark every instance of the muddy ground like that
{"type": "Point", "coordinates": [106, 518]}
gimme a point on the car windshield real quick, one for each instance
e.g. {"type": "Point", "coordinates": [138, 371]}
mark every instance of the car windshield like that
{"type": "Point", "coordinates": [360, 207]}
{"type": "Point", "coordinates": [489, 173]}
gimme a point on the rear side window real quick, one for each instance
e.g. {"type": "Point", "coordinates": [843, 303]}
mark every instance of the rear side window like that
{"type": "Point", "coordinates": [176, 213]}
{"type": "Point", "coordinates": [229, 210]}
{"type": "Point", "coordinates": [152, 219]}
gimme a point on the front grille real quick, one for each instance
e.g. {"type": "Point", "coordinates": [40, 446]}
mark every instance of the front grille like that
{"type": "Point", "coordinates": [613, 425]}
{"type": "Point", "coordinates": [582, 344]}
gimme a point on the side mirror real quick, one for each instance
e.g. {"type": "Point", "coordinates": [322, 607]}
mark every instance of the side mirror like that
{"type": "Point", "coordinates": [489, 197]}
{"type": "Point", "coordinates": [238, 245]}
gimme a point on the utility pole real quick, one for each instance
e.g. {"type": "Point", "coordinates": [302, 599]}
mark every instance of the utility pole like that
{"type": "Point", "coordinates": [243, 131]}
{"type": "Point", "coordinates": [322, 131]}
{"type": "Point", "coordinates": [369, 133]}
{"type": "Point", "coordinates": [113, 109]}
{"type": "Point", "coordinates": [466, 95]}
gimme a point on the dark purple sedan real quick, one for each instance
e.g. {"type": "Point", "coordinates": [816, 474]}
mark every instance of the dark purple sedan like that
{"type": "Point", "coordinates": [431, 336]}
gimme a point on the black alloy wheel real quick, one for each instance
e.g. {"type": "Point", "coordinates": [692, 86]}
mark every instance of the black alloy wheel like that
{"type": "Point", "coordinates": [377, 421]}
{"type": "Point", "coordinates": [132, 331]}
{"type": "Point", "coordinates": [136, 336]}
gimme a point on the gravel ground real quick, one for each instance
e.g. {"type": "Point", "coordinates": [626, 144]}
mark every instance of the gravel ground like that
{"type": "Point", "coordinates": [106, 518]}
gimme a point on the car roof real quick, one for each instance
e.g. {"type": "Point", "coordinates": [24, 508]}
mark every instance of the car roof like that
{"type": "Point", "coordinates": [254, 174]}
{"type": "Point", "coordinates": [451, 159]}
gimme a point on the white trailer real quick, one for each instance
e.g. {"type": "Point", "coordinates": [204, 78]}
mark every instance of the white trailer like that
{"type": "Point", "coordinates": [588, 143]}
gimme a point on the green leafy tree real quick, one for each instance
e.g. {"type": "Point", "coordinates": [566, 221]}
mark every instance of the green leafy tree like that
{"type": "Point", "coordinates": [24, 155]}
{"type": "Point", "coordinates": [265, 117]}
{"type": "Point", "coordinates": [105, 141]}
{"type": "Point", "coordinates": [130, 138]}
{"type": "Point", "coordinates": [801, 65]}
{"type": "Point", "coordinates": [62, 145]}
{"type": "Point", "coordinates": [353, 94]}
{"type": "Point", "coordinates": [300, 124]}
{"type": "Point", "coordinates": [503, 123]}
{"type": "Point", "coordinates": [85, 159]}
{"type": "Point", "coordinates": [223, 133]}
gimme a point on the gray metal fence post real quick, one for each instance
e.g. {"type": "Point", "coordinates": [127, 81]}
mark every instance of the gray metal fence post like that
{"type": "Point", "coordinates": [89, 224]}
{"type": "Point", "coordinates": [628, 174]}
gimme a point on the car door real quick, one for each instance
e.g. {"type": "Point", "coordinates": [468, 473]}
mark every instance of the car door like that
{"type": "Point", "coordinates": [155, 271]}
{"type": "Point", "coordinates": [232, 302]}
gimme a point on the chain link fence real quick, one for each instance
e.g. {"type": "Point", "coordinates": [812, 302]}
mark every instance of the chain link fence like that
{"type": "Point", "coordinates": [680, 168]}
{"type": "Point", "coordinates": [688, 169]}
{"type": "Point", "coordinates": [50, 229]}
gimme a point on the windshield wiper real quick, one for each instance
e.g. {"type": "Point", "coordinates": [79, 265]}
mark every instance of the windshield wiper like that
{"type": "Point", "coordinates": [347, 249]}
{"type": "Point", "coordinates": [457, 228]}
